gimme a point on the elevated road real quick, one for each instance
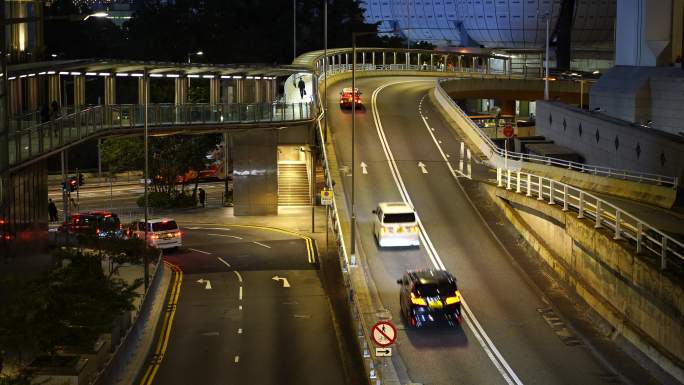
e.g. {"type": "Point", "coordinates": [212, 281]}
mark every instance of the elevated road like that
{"type": "Point", "coordinates": [508, 336]}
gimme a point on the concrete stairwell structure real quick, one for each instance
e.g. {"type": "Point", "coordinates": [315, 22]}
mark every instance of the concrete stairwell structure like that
{"type": "Point", "coordinates": [293, 185]}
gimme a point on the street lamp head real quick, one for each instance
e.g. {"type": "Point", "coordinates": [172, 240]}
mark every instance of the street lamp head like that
{"type": "Point", "coordinates": [96, 14]}
{"type": "Point", "coordinates": [199, 53]}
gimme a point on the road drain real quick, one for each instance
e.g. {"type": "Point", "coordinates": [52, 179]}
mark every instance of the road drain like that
{"type": "Point", "coordinates": [558, 327]}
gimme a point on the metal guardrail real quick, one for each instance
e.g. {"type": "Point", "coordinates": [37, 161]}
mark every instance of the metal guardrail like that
{"type": "Point", "coordinates": [609, 172]}
{"type": "Point", "coordinates": [30, 142]}
{"type": "Point", "coordinates": [604, 214]}
{"type": "Point", "coordinates": [465, 71]}
{"type": "Point", "coordinates": [373, 368]}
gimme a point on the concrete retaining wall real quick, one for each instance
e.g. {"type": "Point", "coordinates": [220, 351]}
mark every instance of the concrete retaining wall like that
{"type": "Point", "coordinates": [644, 306]}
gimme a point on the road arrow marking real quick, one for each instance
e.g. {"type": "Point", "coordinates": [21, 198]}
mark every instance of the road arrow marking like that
{"type": "Point", "coordinates": [285, 282]}
{"type": "Point", "coordinates": [207, 283]}
{"type": "Point", "coordinates": [422, 167]}
{"type": "Point", "coordinates": [364, 168]}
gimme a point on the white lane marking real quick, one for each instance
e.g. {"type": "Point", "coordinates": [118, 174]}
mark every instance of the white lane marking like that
{"type": "Point", "coordinates": [364, 168]}
{"type": "Point", "coordinates": [240, 294]}
{"type": "Point", "coordinates": [261, 244]}
{"type": "Point", "coordinates": [237, 359]}
{"type": "Point", "coordinates": [199, 251]}
{"type": "Point", "coordinates": [239, 331]}
{"type": "Point", "coordinates": [240, 307]}
{"type": "Point", "coordinates": [224, 261]}
{"type": "Point", "coordinates": [224, 235]}
{"type": "Point", "coordinates": [434, 139]}
{"type": "Point", "coordinates": [238, 275]}
{"type": "Point", "coordinates": [485, 342]}
{"type": "Point", "coordinates": [421, 165]}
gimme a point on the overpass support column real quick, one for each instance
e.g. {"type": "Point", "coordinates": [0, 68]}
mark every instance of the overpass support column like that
{"type": "Point", "coordinates": [384, 59]}
{"type": "Point", "coordinates": [54, 89]}
{"type": "Point", "coordinates": [255, 172]}
{"type": "Point", "coordinates": [432, 61]}
{"type": "Point", "coordinates": [460, 63]}
{"type": "Point", "coordinates": [32, 93]}
{"type": "Point", "coordinates": [363, 58]}
{"type": "Point", "coordinates": [474, 63]}
{"type": "Point", "coordinates": [408, 59]}
{"type": "Point", "coordinates": [418, 62]}
{"type": "Point", "coordinates": [141, 90]}
{"type": "Point", "coordinates": [373, 58]}
{"type": "Point", "coordinates": [257, 90]}
{"type": "Point", "coordinates": [109, 90]}
{"type": "Point", "coordinates": [239, 90]}
{"type": "Point", "coordinates": [395, 57]}
{"type": "Point", "coordinates": [79, 90]}
{"type": "Point", "coordinates": [181, 91]}
{"type": "Point", "coordinates": [215, 90]}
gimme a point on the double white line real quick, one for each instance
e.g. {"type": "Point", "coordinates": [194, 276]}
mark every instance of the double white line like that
{"type": "Point", "coordinates": [471, 321]}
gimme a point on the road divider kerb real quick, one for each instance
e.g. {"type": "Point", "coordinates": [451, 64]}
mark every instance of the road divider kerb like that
{"type": "Point", "coordinates": [164, 335]}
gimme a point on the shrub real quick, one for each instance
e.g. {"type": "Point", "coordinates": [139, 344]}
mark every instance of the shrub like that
{"type": "Point", "coordinates": [162, 200]}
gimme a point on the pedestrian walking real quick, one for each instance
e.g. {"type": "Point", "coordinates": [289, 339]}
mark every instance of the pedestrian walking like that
{"type": "Point", "coordinates": [202, 196]}
{"type": "Point", "coordinates": [73, 205]}
{"type": "Point", "coordinates": [54, 113]}
{"type": "Point", "coordinates": [302, 88]}
{"type": "Point", "coordinates": [52, 210]}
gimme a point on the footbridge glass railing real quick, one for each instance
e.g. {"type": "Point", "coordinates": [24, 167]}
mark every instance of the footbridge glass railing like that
{"type": "Point", "coordinates": [30, 142]}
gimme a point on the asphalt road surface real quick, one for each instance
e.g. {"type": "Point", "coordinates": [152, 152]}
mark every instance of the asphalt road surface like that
{"type": "Point", "coordinates": [507, 338]}
{"type": "Point", "coordinates": [263, 318]}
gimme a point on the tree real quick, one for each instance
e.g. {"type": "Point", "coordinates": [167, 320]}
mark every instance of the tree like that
{"type": "Point", "coordinates": [123, 153]}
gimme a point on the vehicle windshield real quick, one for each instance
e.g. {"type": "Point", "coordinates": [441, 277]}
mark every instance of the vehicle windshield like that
{"type": "Point", "coordinates": [435, 289]}
{"type": "Point", "coordinates": [110, 222]}
{"type": "Point", "coordinates": [399, 218]}
{"type": "Point", "coordinates": [164, 226]}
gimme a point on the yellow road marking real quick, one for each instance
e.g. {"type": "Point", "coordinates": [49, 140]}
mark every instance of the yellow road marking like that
{"type": "Point", "coordinates": [163, 341]}
{"type": "Point", "coordinates": [311, 255]}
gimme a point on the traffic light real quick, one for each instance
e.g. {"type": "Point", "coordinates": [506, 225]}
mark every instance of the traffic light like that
{"type": "Point", "coordinates": [72, 184]}
{"type": "Point", "coordinates": [80, 179]}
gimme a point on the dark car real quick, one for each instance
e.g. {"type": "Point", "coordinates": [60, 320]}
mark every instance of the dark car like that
{"type": "Point", "coordinates": [429, 297]}
{"type": "Point", "coordinates": [100, 223]}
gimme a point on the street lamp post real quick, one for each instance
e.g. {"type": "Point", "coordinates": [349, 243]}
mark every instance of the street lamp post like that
{"type": "Point", "coordinates": [294, 29]}
{"type": "Point", "coordinates": [546, 57]}
{"type": "Point", "coordinates": [190, 54]}
{"type": "Point", "coordinates": [353, 152]}
{"type": "Point", "coordinates": [325, 72]}
{"type": "Point", "coordinates": [146, 176]}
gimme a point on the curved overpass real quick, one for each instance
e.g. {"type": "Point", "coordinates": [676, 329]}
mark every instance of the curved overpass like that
{"type": "Point", "coordinates": [504, 339]}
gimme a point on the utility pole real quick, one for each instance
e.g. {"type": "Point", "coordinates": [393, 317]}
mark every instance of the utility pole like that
{"type": "Point", "coordinates": [546, 62]}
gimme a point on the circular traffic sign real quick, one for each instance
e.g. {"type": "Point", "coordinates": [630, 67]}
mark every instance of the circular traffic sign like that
{"type": "Point", "coordinates": [384, 333]}
{"type": "Point", "coordinates": [508, 130]}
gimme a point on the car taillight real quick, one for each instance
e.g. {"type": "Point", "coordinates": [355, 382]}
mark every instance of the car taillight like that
{"type": "Point", "coordinates": [417, 300]}
{"type": "Point", "coordinates": [154, 236]}
{"type": "Point", "coordinates": [178, 234]}
{"type": "Point", "coordinates": [97, 231]}
{"type": "Point", "coordinates": [455, 299]}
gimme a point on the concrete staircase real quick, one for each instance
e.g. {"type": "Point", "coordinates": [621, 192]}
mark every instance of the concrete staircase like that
{"type": "Point", "coordinates": [293, 185]}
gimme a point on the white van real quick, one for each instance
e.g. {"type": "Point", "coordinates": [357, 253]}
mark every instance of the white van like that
{"type": "Point", "coordinates": [394, 224]}
{"type": "Point", "coordinates": [162, 233]}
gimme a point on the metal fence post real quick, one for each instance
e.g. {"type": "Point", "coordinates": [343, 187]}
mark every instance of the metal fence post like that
{"type": "Point", "coordinates": [551, 188]}
{"type": "Point", "coordinates": [639, 235]}
{"type": "Point", "coordinates": [499, 180]}
{"type": "Point", "coordinates": [517, 182]}
{"type": "Point", "coordinates": [580, 215]}
{"type": "Point", "coordinates": [598, 214]}
{"type": "Point", "coordinates": [540, 190]}
{"type": "Point", "coordinates": [617, 225]}
{"type": "Point", "coordinates": [663, 254]}
{"type": "Point", "coordinates": [529, 185]}
{"type": "Point", "coordinates": [565, 197]}
{"type": "Point", "coordinates": [508, 179]}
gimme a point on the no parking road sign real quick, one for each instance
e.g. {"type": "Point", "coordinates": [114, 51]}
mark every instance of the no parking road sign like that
{"type": "Point", "coordinates": [384, 333]}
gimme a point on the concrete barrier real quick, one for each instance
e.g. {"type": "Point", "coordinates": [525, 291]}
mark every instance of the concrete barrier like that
{"type": "Point", "coordinates": [643, 305]}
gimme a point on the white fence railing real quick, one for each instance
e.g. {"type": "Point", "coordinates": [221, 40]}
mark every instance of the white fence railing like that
{"type": "Point", "coordinates": [624, 225]}
{"type": "Point", "coordinates": [373, 368]}
{"type": "Point", "coordinates": [491, 149]}
{"type": "Point", "coordinates": [609, 172]}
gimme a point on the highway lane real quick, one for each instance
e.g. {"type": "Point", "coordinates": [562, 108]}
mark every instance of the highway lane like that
{"type": "Point", "coordinates": [249, 328]}
{"type": "Point", "coordinates": [499, 295]}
